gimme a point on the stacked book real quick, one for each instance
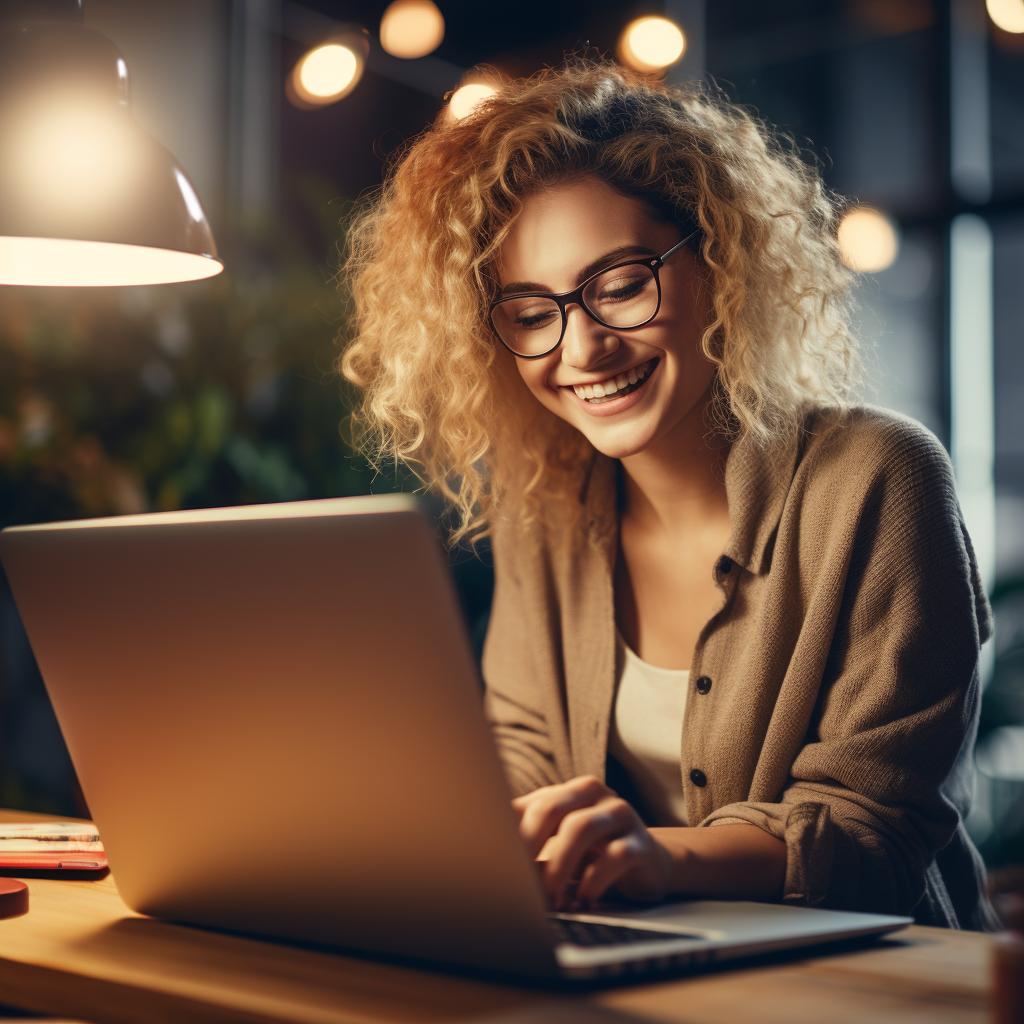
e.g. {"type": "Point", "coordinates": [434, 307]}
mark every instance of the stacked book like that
{"type": "Point", "coordinates": [50, 846]}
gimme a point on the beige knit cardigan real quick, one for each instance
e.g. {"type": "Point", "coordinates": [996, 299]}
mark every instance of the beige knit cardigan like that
{"type": "Point", "coordinates": [843, 664]}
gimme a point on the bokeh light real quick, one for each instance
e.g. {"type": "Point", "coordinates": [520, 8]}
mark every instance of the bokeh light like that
{"type": "Point", "coordinates": [328, 70]}
{"type": "Point", "coordinates": [868, 240]}
{"type": "Point", "coordinates": [650, 44]}
{"type": "Point", "coordinates": [468, 97]}
{"type": "Point", "coordinates": [326, 73]}
{"type": "Point", "coordinates": [411, 28]}
{"type": "Point", "coordinates": [1007, 14]}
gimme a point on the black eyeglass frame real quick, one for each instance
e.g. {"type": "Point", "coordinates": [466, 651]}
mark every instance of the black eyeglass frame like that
{"type": "Point", "coordinates": [576, 296]}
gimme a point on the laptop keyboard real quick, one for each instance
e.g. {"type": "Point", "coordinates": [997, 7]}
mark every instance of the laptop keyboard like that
{"type": "Point", "coordinates": [588, 934]}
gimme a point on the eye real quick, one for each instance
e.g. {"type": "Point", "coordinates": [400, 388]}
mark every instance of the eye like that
{"type": "Point", "coordinates": [622, 284]}
{"type": "Point", "coordinates": [533, 314]}
{"type": "Point", "coordinates": [536, 321]}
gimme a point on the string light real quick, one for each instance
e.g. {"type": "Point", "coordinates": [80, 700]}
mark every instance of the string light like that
{"type": "Point", "coordinates": [329, 71]}
{"type": "Point", "coordinates": [468, 97]}
{"type": "Point", "coordinates": [1007, 14]}
{"type": "Point", "coordinates": [411, 28]}
{"type": "Point", "coordinates": [652, 43]}
{"type": "Point", "coordinates": [868, 240]}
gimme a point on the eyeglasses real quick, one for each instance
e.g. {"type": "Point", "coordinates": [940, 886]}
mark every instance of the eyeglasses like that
{"type": "Point", "coordinates": [622, 297]}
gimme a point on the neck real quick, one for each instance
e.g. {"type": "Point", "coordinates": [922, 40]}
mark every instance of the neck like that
{"type": "Point", "coordinates": [678, 482]}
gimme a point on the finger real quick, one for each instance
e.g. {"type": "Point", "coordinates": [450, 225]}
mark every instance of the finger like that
{"type": "Point", "coordinates": [578, 835]}
{"type": "Point", "coordinates": [542, 816]}
{"type": "Point", "coordinates": [617, 859]}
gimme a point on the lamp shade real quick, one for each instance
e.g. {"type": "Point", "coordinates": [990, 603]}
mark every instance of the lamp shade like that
{"type": "Point", "coordinates": [86, 196]}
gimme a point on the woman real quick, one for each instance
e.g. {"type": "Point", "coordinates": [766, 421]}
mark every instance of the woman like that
{"type": "Point", "coordinates": [733, 649]}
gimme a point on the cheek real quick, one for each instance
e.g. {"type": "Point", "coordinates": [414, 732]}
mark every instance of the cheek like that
{"type": "Point", "coordinates": [534, 373]}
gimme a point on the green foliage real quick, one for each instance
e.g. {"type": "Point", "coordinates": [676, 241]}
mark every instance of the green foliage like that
{"type": "Point", "coordinates": [214, 393]}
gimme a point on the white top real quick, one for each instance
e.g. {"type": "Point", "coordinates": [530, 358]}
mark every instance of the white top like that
{"type": "Point", "coordinates": [646, 734]}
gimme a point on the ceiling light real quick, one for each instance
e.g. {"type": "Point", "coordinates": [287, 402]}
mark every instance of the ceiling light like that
{"type": "Point", "coordinates": [86, 196]}
{"type": "Point", "coordinates": [411, 28]}
{"type": "Point", "coordinates": [329, 71]}
{"type": "Point", "coordinates": [650, 44]}
{"type": "Point", "coordinates": [1007, 14]}
{"type": "Point", "coordinates": [868, 240]}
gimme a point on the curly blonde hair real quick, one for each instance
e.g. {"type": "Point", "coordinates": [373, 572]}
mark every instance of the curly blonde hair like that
{"type": "Point", "coordinates": [442, 396]}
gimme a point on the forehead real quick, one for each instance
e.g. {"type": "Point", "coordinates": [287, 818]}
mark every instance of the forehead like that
{"type": "Point", "coordinates": [566, 226]}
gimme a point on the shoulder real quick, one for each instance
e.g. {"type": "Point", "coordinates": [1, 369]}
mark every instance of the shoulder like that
{"type": "Point", "coordinates": [881, 486]}
{"type": "Point", "coordinates": [867, 448]}
{"type": "Point", "coordinates": [877, 484]}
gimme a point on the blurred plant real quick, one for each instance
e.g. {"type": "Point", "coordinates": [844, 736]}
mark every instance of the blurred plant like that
{"type": "Point", "coordinates": [214, 393]}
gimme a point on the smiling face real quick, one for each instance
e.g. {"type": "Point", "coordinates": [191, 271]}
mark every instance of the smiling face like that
{"type": "Point", "coordinates": [625, 390]}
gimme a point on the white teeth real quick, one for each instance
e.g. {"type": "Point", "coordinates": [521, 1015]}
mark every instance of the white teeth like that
{"type": "Point", "coordinates": [613, 384]}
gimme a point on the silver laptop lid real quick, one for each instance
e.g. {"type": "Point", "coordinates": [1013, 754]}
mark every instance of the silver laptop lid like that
{"type": "Point", "coordinates": [238, 687]}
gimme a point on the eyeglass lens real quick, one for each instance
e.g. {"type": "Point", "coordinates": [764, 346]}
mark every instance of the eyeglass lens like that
{"type": "Point", "coordinates": [623, 297]}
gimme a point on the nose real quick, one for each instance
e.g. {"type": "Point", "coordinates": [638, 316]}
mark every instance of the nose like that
{"type": "Point", "coordinates": [585, 342]}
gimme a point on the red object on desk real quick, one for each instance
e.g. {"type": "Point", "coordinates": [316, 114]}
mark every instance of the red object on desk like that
{"type": "Point", "coordinates": [13, 897]}
{"type": "Point", "coordinates": [53, 861]}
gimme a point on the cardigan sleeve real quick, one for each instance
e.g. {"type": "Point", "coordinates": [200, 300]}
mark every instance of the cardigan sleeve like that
{"type": "Point", "coordinates": [513, 700]}
{"type": "Point", "coordinates": [881, 782]}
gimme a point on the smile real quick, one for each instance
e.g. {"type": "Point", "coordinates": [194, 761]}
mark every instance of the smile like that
{"type": "Point", "coordinates": [618, 386]}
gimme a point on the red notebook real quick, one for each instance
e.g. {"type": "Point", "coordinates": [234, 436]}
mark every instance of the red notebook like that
{"type": "Point", "coordinates": [51, 846]}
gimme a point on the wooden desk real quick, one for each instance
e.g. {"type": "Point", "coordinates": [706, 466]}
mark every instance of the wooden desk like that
{"type": "Point", "coordinates": [80, 952]}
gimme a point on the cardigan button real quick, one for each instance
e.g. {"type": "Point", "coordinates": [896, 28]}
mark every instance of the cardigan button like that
{"type": "Point", "coordinates": [703, 684]}
{"type": "Point", "coordinates": [725, 564]}
{"type": "Point", "coordinates": [698, 778]}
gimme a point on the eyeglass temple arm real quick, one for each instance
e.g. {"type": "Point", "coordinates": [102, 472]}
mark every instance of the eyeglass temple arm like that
{"type": "Point", "coordinates": [675, 248]}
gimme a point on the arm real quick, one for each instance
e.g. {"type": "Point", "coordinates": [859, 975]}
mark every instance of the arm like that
{"type": "Point", "coordinates": [587, 832]}
{"type": "Point", "coordinates": [738, 862]}
{"type": "Point", "coordinates": [869, 803]}
{"type": "Point", "coordinates": [512, 704]}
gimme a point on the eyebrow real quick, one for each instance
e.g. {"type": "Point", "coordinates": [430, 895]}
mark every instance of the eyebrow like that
{"type": "Point", "coordinates": [609, 259]}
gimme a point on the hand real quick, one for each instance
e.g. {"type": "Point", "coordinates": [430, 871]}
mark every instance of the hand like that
{"type": "Point", "coordinates": [598, 838]}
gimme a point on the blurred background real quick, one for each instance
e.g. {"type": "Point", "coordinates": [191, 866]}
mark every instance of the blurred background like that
{"type": "Point", "coordinates": [221, 391]}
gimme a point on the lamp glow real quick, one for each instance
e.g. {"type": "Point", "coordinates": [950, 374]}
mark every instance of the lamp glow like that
{"type": "Point", "coordinates": [68, 154]}
{"type": "Point", "coordinates": [468, 97]}
{"type": "Point", "coordinates": [868, 240]}
{"type": "Point", "coordinates": [1007, 14]}
{"type": "Point", "coordinates": [411, 28]}
{"type": "Point", "coordinates": [652, 43]}
{"type": "Point", "coordinates": [72, 263]}
{"type": "Point", "coordinates": [87, 198]}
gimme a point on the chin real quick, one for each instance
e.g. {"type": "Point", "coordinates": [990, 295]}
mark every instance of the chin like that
{"type": "Point", "coordinates": [621, 447]}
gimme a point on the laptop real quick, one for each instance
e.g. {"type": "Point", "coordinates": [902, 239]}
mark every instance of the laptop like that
{"type": "Point", "coordinates": [276, 719]}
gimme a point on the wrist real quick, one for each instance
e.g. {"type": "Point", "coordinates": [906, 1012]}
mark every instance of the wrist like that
{"type": "Point", "coordinates": [737, 861]}
{"type": "Point", "coordinates": [683, 861]}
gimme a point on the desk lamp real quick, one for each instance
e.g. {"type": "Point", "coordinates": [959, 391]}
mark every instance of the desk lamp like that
{"type": "Point", "coordinates": [86, 196]}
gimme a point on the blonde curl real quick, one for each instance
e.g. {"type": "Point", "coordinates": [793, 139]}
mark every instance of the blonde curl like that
{"type": "Point", "coordinates": [439, 394]}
